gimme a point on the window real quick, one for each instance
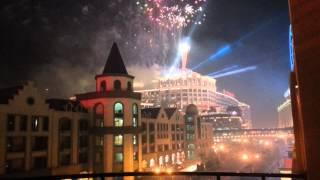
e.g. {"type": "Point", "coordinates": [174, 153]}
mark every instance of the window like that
{"type": "Point", "coordinates": [39, 143]}
{"type": "Point", "coordinates": [16, 144]}
{"type": "Point", "coordinates": [40, 162]}
{"type": "Point", "coordinates": [135, 115]}
{"type": "Point", "coordinates": [118, 140]}
{"type": "Point", "coordinates": [151, 127]}
{"type": "Point", "coordinates": [35, 123]}
{"type": "Point", "coordinates": [166, 147]}
{"type": "Point", "coordinates": [118, 122]}
{"type": "Point", "coordinates": [152, 149]}
{"type": "Point", "coordinates": [118, 157]}
{"type": "Point", "coordinates": [99, 140]}
{"type": "Point", "coordinates": [134, 140]}
{"type": "Point", "coordinates": [129, 86]}
{"type": "Point", "coordinates": [117, 85]}
{"type": "Point", "coordinates": [173, 127]}
{"type": "Point", "coordinates": [83, 125]}
{"type": "Point", "coordinates": [144, 139]}
{"type": "Point", "coordinates": [152, 138]}
{"type": "Point", "coordinates": [23, 123]}
{"type": "Point", "coordinates": [83, 157]}
{"type": "Point", "coordinates": [118, 109]}
{"type": "Point", "coordinates": [45, 123]}
{"type": "Point", "coordinates": [65, 124]}
{"type": "Point", "coordinates": [65, 159]}
{"type": "Point", "coordinates": [15, 165]}
{"type": "Point", "coordinates": [144, 126]}
{"type": "Point", "coordinates": [99, 115]}
{"type": "Point", "coordinates": [135, 155]}
{"type": "Point", "coordinates": [118, 114]}
{"type": "Point", "coordinates": [65, 142]}
{"type": "Point", "coordinates": [83, 141]}
{"type": "Point", "coordinates": [103, 86]}
{"type": "Point", "coordinates": [10, 122]}
{"type": "Point", "coordinates": [173, 137]}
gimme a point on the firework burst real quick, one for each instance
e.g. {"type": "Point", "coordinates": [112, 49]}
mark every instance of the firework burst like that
{"type": "Point", "coordinates": [173, 14]}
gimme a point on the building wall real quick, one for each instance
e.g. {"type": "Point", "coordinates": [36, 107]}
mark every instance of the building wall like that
{"type": "Point", "coordinates": [35, 129]}
{"type": "Point", "coordinates": [305, 88]}
{"type": "Point", "coordinates": [168, 143]}
{"type": "Point", "coordinates": [285, 115]}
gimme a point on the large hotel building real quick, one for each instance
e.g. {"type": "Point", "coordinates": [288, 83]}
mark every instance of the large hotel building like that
{"type": "Point", "coordinates": [188, 87]}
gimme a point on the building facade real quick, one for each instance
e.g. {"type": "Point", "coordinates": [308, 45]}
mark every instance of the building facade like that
{"type": "Point", "coordinates": [116, 118]}
{"type": "Point", "coordinates": [39, 136]}
{"type": "Point", "coordinates": [188, 87]}
{"type": "Point", "coordinates": [285, 119]}
{"type": "Point", "coordinates": [199, 138]}
{"type": "Point", "coordinates": [163, 138]}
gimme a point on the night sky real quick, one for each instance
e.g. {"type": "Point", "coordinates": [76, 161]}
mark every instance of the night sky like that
{"type": "Point", "coordinates": [62, 45]}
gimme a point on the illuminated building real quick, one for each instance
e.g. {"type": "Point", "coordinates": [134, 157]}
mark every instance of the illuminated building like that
{"type": "Point", "coordinates": [163, 138]}
{"type": "Point", "coordinates": [285, 112]}
{"type": "Point", "coordinates": [222, 121]}
{"type": "Point", "coordinates": [116, 118]}
{"type": "Point", "coordinates": [188, 87]}
{"type": "Point", "coordinates": [41, 137]}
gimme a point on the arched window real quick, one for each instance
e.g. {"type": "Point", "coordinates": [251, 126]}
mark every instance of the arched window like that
{"type": "Point", "coordinates": [129, 86]}
{"type": "Point", "coordinates": [103, 86]}
{"type": "Point", "coordinates": [98, 115]}
{"type": "Point", "coordinates": [117, 85]}
{"type": "Point", "coordinates": [135, 115]}
{"type": "Point", "coordinates": [118, 114]}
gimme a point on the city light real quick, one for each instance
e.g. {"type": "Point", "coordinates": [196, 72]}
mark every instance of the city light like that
{"type": "Point", "coordinates": [245, 157]}
{"type": "Point", "coordinates": [169, 170]}
{"type": "Point", "coordinates": [257, 156]}
{"type": "Point", "coordinates": [157, 170]}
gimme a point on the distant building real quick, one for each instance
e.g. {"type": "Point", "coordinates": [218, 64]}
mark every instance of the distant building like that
{"type": "Point", "coordinates": [41, 137]}
{"type": "Point", "coordinates": [188, 87]}
{"type": "Point", "coordinates": [285, 112]}
{"type": "Point", "coordinates": [198, 134]}
{"type": "Point", "coordinates": [223, 121]}
{"type": "Point", "coordinates": [163, 137]}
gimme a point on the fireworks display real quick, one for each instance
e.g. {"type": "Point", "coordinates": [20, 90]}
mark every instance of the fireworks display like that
{"type": "Point", "coordinates": [173, 14]}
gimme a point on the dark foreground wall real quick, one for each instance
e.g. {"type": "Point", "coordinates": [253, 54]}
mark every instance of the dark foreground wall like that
{"type": "Point", "coordinates": [305, 19]}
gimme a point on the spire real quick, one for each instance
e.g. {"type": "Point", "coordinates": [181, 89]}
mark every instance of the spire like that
{"type": "Point", "coordinates": [114, 64]}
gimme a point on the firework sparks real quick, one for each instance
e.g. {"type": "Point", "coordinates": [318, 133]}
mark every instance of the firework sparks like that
{"type": "Point", "coordinates": [173, 14]}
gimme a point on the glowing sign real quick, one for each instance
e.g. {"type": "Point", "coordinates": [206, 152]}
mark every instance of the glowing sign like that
{"type": "Point", "coordinates": [291, 49]}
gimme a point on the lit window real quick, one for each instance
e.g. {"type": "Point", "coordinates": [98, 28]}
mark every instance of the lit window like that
{"type": "Point", "coordinates": [118, 140]}
{"type": "Point", "coordinates": [118, 157]}
{"type": "Point", "coordinates": [35, 123]}
{"type": "Point", "coordinates": [135, 115]}
{"type": "Point", "coordinates": [118, 122]}
{"type": "Point", "coordinates": [118, 108]}
{"type": "Point", "coordinates": [134, 140]}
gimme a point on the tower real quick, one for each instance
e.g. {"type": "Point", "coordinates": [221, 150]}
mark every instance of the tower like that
{"type": "Point", "coordinates": [115, 125]}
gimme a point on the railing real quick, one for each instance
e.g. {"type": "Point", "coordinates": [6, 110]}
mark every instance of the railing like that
{"type": "Point", "coordinates": [137, 175]}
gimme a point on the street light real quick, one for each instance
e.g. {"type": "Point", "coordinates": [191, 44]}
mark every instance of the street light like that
{"type": "Point", "coordinates": [245, 157]}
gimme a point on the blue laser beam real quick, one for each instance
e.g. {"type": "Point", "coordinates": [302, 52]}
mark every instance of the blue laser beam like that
{"type": "Point", "coordinates": [225, 50]}
{"type": "Point", "coordinates": [223, 70]}
{"type": "Point", "coordinates": [238, 71]}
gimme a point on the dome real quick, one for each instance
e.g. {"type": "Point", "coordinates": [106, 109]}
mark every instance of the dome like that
{"type": "Point", "coordinates": [192, 109]}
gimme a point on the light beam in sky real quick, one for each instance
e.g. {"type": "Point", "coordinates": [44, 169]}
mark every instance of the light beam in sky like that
{"type": "Point", "coordinates": [238, 71]}
{"type": "Point", "coordinates": [223, 70]}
